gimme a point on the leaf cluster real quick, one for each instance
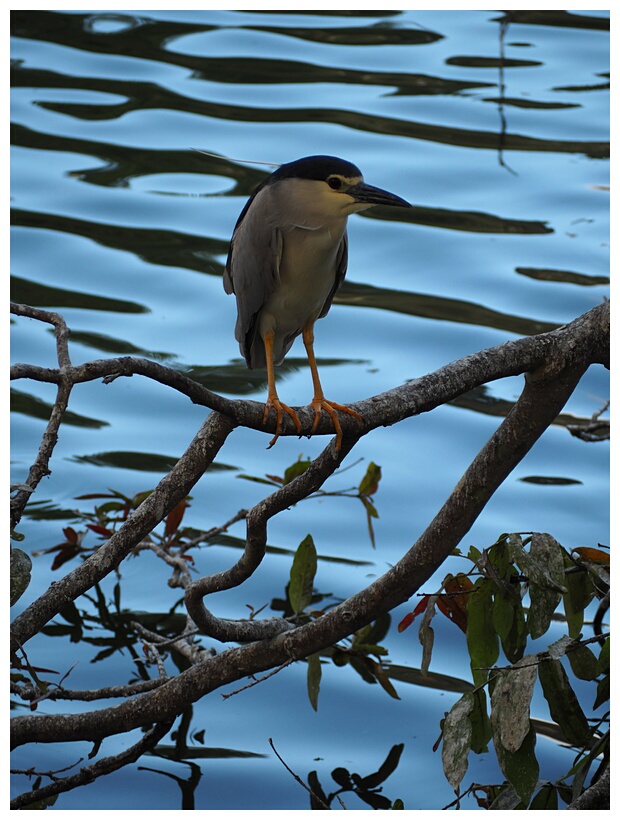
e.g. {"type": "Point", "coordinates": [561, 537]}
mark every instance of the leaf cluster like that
{"type": "Point", "coordinates": [493, 614]}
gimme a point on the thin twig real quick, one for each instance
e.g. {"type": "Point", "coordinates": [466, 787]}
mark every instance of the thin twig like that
{"type": "Point", "coordinates": [257, 680]}
{"type": "Point", "coordinates": [297, 777]}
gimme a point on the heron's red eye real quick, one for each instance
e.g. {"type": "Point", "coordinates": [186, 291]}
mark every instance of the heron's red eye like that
{"type": "Point", "coordinates": [334, 183]}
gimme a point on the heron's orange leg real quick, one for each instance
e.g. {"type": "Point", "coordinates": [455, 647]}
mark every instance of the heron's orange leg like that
{"type": "Point", "coordinates": [319, 402]}
{"type": "Point", "coordinates": [272, 394]}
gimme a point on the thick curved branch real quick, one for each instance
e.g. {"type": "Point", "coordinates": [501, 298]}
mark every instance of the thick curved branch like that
{"type": "Point", "coordinates": [256, 520]}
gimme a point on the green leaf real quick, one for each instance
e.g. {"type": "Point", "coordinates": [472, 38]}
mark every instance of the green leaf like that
{"type": "Point", "coordinates": [515, 642]}
{"type": "Point", "coordinates": [371, 513]}
{"type": "Point", "coordinates": [370, 483]}
{"type": "Point", "coordinates": [544, 599]}
{"type": "Point", "coordinates": [547, 798]}
{"type": "Point", "coordinates": [457, 737]}
{"type": "Point", "coordinates": [259, 480]}
{"type": "Point", "coordinates": [364, 668]}
{"type": "Point", "coordinates": [376, 631]}
{"type": "Point", "coordinates": [519, 767]}
{"type": "Point", "coordinates": [370, 507]}
{"type": "Point", "coordinates": [370, 648]}
{"type": "Point", "coordinates": [583, 661]}
{"type": "Point", "coordinates": [579, 593]}
{"type": "Point", "coordinates": [314, 679]}
{"type": "Point", "coordinates": [302, 575]}
{"type": "Point", "coordinates": [602, 692]}
{"type": "Point", "coordinates": [384, 680]}
{"type": "Point", "coordinates": [510, 703]}
{"type": "Point", "coordinates": [508, 614]}
{"type": "Point", "coordinates": [296, 469]}
{"type": "Point", "coordinates": [482, 639]}
{"type": "Point", "coordinates": [504, 614]}
{"type": "Point", "coordinates": [563, 704]}
{"type": "Point", "coordinates": [482, 731]}
{"type": "Point", "coordinates": [139, 498]}
{"type": "Point", "coordinates": [109, 507]}
{"type": "Point", "coordinates": [474, 554]}
{"type": "Point", "coordinates": [340, 658]}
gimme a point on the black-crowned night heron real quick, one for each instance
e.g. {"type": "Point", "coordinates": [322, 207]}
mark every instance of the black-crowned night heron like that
{"type": "Point", "coordinates": [287, 259]}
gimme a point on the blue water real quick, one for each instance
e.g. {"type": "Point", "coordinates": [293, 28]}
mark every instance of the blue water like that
{"type": "Point", "coordinates": [508, 172]}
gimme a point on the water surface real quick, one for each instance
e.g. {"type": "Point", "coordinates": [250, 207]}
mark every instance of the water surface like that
{"type": "Point", "coordinates": [495, 128]}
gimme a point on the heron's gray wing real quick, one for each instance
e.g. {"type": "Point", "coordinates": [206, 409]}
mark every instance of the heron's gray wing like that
{"type": "Point", "coordinates": [342, 261]}
{"type": "Point", "coordinates": [253, 271]}
{"type": "Point", "coordinates": [228, 281]}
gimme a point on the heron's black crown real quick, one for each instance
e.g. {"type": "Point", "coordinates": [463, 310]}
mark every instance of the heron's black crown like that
{"type": "Point", "coordinates": [317, 167]}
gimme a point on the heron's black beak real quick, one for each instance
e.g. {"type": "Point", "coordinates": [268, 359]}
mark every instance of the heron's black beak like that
{"type": "Point", "coordinates": [369, 195]}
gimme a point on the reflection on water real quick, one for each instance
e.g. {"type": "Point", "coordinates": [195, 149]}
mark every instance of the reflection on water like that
{"type": "Point", "coordinates": [493, 124]}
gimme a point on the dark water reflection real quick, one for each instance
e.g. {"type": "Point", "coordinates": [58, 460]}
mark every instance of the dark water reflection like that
{"type": "Point", "coordinates": [495, 126]}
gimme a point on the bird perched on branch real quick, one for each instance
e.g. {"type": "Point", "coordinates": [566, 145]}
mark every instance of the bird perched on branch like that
{"type": "Point", "coordinates": [287, 259]}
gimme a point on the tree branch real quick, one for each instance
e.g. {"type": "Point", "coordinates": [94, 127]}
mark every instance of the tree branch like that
{"type": "Point", "coordinates": [90, 773]}
{"type": "Point", "coordinates": [417, 396]}
{"type": "Point", "coordinates": [545, 393]}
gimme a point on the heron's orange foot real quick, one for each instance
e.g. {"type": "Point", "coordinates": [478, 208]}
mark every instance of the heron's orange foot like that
{"type": "Point", "coordinates": [332, 409]}
{"type": "Point", "coordinates": [280, 409]}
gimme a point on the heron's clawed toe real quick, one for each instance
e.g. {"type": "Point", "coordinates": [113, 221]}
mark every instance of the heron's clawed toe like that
{"type": "Point", "coordinates": [332, 409]}
{"type": "Point", "coordinates": [280, 409]}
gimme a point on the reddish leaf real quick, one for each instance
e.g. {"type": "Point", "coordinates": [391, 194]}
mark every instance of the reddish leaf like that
{"type": "Point", "coordinates": [174, 517]}
{"type": "Point", "coordinates": [67, 552]}
{"type": "Point", "coordinates": [71, 535]}
{"type": "Point", "coordinates": [593, 555]}
{"type": "Point", "coordinates": [411, 616]}
{"type": "Point", "coordinates": [453, 603]}
{"type": "Point", "coordinates": [406, 622]}
{"type": "Point", "coordinates": [100, 530]}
